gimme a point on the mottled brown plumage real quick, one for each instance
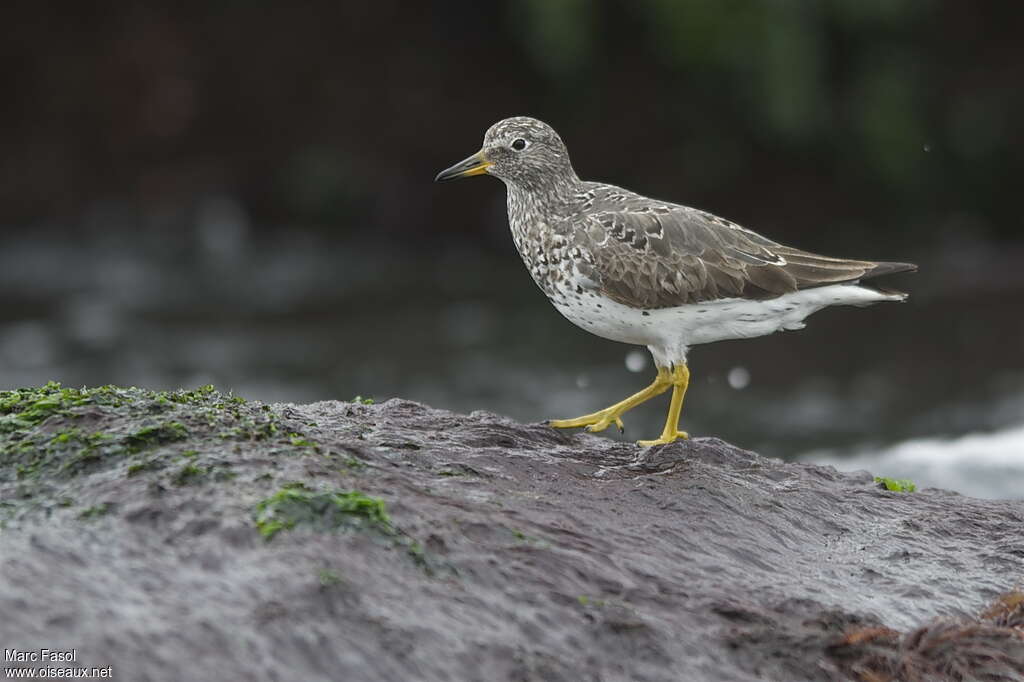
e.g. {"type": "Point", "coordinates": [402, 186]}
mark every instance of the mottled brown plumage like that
{"type": "Point", "coordinates": [648, 254]}
{"type": "Point", "coordinates": [642, 271]}
{"type": "Point", "coordinates": [638, 251]}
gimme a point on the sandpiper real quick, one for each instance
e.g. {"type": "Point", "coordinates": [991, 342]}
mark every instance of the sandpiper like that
{"type": "Point", "coordinates": [647, 272]}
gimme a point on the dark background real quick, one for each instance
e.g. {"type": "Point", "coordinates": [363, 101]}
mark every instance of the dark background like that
{"type": "Point", "coordinates": [241, 192]}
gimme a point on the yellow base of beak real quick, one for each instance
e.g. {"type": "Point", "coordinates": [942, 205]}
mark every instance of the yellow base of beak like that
{"type": "Point", "coordinates": [474, 165]}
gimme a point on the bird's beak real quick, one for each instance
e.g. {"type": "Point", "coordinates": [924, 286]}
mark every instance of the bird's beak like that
{"type": "Point", "coordinates": [474, 165]}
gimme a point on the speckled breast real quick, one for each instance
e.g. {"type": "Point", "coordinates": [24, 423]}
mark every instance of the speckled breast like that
{"type": "Point", "coordinates": [545, 252]}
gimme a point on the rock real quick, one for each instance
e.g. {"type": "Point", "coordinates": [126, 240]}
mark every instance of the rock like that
{"type": "Point", "coordinates": [193, 535]}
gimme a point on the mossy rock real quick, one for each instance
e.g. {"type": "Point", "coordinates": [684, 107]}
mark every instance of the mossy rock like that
{"type": "Point", "coordinates": [322, 511]}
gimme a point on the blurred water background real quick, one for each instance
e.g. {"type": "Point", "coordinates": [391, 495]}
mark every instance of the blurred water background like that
{"type": "Point", "coordinates": [240, 194]}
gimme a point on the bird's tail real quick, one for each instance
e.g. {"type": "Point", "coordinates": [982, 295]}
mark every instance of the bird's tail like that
{"type": "Point", "coordinates": [881, 269]}
{"type": "Point", "coordinates": [887, 268]}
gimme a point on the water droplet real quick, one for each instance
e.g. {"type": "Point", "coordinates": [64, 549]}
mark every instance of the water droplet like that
{"type": "Point", "coordinates": [636, 361]}
{"type": "Point", "coordinates": [739, 378]}
{"type": "Point", "coordinates": [927, 148]}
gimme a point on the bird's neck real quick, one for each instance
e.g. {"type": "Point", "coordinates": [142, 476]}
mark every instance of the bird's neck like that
{"type": "Point", "coordinates": [536, 215]}
{"type": "Point", "coordinates": [545, 198]}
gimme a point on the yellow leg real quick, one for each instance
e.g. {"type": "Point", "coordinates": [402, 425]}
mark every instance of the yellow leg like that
{"type": "Point", "coordinates": [602, 419]}
{"type": "Point", "coordinates": [680, 379]}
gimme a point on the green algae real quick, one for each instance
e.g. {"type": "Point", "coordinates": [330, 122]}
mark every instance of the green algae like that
{"type": "Point", "coordinates": [26, 407]}
{"type": "Point", "coordinates": [96, 511]}
{"type": "Point", "coordinates": [902, 485]}
{"type": "Point", "coordinates": [298, 440]}
{"type": "Point", "coordinates": [329, 577]}
{"type": "Point", "coordinates": [151, 436]}
{"type": "Point", "coordinates": [207, 396]}
{"type": "Point", "coordinates": [188, 474]}
{"type": "Point", "coordinates": [72, 451]}
{"type": "Point", "coordinates": [145, 465]}
{"type": "Point", "coordinates": [324, 511]}
{"type": "Point", "coordinates": [296, 505]}
{"type": "Point", "coordinates": [295, 485]}
{"type": "Point", "coordinates": [584, 600]}
{"type": "Point", "coordinates": [56, 430]}
{"type": "Point", "coordinates": [51, 434]}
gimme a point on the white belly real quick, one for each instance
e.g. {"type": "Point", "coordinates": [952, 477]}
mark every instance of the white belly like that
{"type": "Point", "coordinates": [670, 331]}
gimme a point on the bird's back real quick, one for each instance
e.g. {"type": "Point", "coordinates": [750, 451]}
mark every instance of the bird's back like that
{"type": "Point", "coordinates": [647, 253]}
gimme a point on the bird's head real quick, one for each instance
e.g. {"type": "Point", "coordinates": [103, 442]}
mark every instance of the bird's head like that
{"type": "Point", "coordinates": [521, 151]}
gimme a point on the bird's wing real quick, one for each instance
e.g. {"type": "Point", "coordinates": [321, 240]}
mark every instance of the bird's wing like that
{"type": "Point", "coordinates": [650, 255]}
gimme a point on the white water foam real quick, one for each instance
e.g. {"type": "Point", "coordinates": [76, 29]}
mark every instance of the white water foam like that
{"type": "Point", "coordinates": [988, 465]}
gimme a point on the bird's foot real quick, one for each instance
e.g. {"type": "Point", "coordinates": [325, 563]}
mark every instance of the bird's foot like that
{"type": "Point", "coordinates": [602, 419]}
{"type": "Point", "coordinates": [598, 421]}
{"type": "Point", "coordinates": [664, 439]}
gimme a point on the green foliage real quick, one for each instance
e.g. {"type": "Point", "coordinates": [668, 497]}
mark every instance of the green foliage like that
{"type": "Point", "coordinates": [902, 485]}
{"type": "Point", "coordinates": [749, 74]}
{"type": "Point", "coordinates": [360, 400]}
{"type": "Point", "coordinates": [323, 511]}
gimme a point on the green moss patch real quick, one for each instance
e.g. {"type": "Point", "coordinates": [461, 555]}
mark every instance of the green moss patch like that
{"type": "Point", "coordinates": [25, 407]}
{"type": "Point", "coordinates": [902, 485]}
{"type": "Point", "coordinates": [53, 430]}
{"type": "Point", "coordinates": [151, 436]}
{"type": "Point", "coordinates": [296, 505]}
{"type": "Point", "coordinates": [188, 474]}
{"type": "Point", "coordinates": [299, 441]}
{"type": "Point", "coordinates": [323, 511]}
{"type": "Point", "coordinates": [329, 577]}
{"type": "Point", "coordinates": [50, 435]}
{"type": "Point", "coordinates": [143, 466]}
{"type": "Point", "coordinates": [96, 511]}
{"type": "Point", "coordinates": [71, 451]}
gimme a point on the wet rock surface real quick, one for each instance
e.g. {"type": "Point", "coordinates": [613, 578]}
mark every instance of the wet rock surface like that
{"type": "Point", "coordinates": [234, 540]}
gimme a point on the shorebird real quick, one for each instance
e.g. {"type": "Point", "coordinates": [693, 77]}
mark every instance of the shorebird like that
{"type": "Point", "coordinates": [647, 272]}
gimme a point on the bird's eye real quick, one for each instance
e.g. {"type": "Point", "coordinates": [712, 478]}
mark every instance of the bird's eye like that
{"type": "Point", "coordinates": [519, 144]}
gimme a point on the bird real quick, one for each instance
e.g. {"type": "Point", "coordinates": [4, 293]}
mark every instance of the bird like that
{"type": "Point", "coordinates": [646, 272]}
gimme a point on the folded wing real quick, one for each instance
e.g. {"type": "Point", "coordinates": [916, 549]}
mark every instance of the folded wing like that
{"type": "Point", "coordinates": [658, 256]}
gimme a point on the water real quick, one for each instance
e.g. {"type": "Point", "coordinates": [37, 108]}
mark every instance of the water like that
{"type": "Point", "coordinates": [977, 464]}
{"type": "Point", "coordinates": [289, 316]}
